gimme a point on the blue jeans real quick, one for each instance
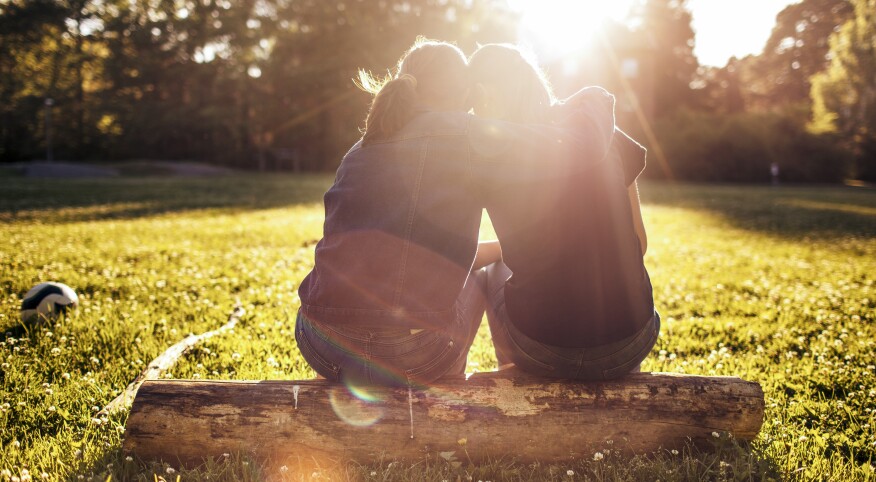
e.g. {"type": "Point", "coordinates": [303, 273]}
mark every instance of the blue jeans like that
{"type": "Point", "coordinates": [392, 356]}
{"type": "Point", "coordinates": [604, 362]}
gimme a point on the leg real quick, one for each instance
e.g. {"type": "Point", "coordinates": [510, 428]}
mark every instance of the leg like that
{"type": "Point", "coordinates": [497, 274]}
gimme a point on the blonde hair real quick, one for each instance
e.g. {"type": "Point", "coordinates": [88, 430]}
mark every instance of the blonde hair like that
{"type": "Point", "coordinates": [519, 84]}
{"type": "Point", "coordinates": [430, 73]}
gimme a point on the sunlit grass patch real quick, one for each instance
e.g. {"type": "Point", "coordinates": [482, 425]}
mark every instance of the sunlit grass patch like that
{"type": "Point", "coordinates": [772, 285]}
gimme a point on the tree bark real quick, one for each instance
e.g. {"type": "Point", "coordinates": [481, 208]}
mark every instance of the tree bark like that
{"type": "Point", "coordinates": [498, 416]}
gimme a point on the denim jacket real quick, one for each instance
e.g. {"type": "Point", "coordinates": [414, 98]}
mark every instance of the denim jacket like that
{"type": "Point", "coordinates": [403, 215]}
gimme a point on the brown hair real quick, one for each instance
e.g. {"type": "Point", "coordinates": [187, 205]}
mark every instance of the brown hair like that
{"type": "Point", "coordinates": [430, 73]}
{"type": "Point", "coordinates": [519, 84]}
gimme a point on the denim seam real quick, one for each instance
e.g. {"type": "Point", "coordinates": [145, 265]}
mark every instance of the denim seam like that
{"type": "Point", "coordinates": [415, 198]}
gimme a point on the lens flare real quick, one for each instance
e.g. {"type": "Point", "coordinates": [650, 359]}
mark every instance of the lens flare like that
{"type": "Point", "coordinates": [357, 405]}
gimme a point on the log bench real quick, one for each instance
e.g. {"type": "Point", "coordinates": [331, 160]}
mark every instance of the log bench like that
{"type": "Point", "coordinates": [492, 414]}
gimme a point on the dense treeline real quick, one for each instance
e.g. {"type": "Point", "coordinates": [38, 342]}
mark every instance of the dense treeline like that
{"type": "Point", "coordinates": [266, 84]}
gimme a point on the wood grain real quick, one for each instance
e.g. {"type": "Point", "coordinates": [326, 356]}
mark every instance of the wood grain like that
{"type": "Point", "coordinates": [527, 418]}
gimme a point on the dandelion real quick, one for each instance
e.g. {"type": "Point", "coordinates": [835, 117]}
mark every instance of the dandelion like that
{"type": "Point", "coordinates": [373, 473]}
{"type": "Point", "coordinates": [56, 351]}
{"type": "Point", "coordinates": [96, 421]}
{"type": "Point", "coordinates": [170, 471]}
{"type": "Point", "coordinates": [570, 472]}
{"type": "Point", "coordinates": [129, 459]}
{"type": "Point", "coordinates": [802, 438]}
{"type": "Point", "coordinates": [598, 456]}
{"type": "Point", "coordinates": [52, 408]}
{"type": "Point", "coordinates": [674, 452]}
{"type": "Point", "coordinates": [16, 443]}
{"type": "Point", "coordinates": [284, 469]}
{"type": "Point", "coordinates": [65, 376]}
{"type": "Point", "coordinates": [236, 357]}
{"type": "Point", "coordinates": [716, 434]}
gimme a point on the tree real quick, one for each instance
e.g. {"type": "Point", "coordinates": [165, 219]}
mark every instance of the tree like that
{"type": "Point", "coordinates": [796, 50]}
{"type": "Point", "coordinates": [666, 33]}
{"type": "Point", "coordinates": [844, 96]}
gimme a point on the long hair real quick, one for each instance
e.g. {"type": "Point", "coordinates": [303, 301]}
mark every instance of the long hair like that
{"type": "Point", "coordinates": [515, 80]}
{"type": "Point", "coordinates": [431, 73]}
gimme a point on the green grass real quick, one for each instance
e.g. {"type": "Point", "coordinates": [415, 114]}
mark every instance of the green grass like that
{"type": "Point", "coordinates": [772, 285]}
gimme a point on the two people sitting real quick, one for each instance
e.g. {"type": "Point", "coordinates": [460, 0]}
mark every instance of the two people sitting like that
{"type": "Point", "coordinates": [401, 282]}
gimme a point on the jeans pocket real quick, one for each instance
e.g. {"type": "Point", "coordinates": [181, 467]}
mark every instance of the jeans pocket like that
{"type": "Point", "coordinates": [522, 357]}
{"type": "Point", "coordinates": [322, 366]}
{"type": "Point", "coordinates": [431, 364]}
{"type": "Point", "coordinates": [628, 365]}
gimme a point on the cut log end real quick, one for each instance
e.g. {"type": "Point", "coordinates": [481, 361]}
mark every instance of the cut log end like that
{"type": "Point", "coordinates": [528, 418]}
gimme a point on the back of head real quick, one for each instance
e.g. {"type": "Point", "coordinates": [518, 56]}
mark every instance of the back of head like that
{"type": "Point", "coordinates": [430, 74]}
{"type": "Point", "coordinates": [512, 86]}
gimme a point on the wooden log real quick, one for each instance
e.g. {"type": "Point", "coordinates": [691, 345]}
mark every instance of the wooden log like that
{"type": "Point", "coordinates": [530, 419]}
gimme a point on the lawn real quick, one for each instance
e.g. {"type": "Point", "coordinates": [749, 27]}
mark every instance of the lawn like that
{"type": "Point", "coordinates": [774, 285]}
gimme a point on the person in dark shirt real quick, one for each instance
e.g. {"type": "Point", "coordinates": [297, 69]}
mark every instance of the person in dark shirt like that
{"type": "Point", "coordinates": [568, 292]}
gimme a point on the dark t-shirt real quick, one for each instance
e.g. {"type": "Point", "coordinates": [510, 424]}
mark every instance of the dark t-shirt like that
{"type": "Point", "coordinates": [579, 279]}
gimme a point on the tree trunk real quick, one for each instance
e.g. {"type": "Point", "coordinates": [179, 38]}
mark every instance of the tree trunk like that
{"type": "Point", "coordinates": [497, 415]}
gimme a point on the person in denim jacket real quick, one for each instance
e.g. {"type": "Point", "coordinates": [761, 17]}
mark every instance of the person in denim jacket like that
{"type": "Point", "coordinates": [569, 295]}
{"type": "Point", "coordinates": [390, 300]}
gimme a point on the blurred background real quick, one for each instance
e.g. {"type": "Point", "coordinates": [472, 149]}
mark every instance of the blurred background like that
{"type": "Point", "coordinates": [720, 91]}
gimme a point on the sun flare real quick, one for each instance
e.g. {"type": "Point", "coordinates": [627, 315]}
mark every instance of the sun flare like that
{"type": "Point", "coordinates": [558, 27]}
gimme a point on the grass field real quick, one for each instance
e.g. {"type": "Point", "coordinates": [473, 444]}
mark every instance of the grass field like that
{"type": "Point", "coordinates": [774, 285]}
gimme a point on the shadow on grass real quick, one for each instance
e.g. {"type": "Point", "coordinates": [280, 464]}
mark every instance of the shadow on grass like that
{"type": "Point", "coordinates": [53, 201]}
{"type": "Point", "coordinates": [796, 212]}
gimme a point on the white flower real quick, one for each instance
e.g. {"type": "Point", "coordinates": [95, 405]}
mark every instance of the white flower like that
{"type": "Point", "coordinates": [170, 471]}
{"type": "Point", "coordinates": [52, 408]}
{"type": "Point", "coordinates": [65, 376]}
{"type": "Point", "coordinates": [16, 443]}
{"type": "Point", "coordinates": [5, 473]}
{"type": "Point", "coordinates": [129, 459]}
{"type": "Point", "coordinates": [674, 452]}
{"type": "Point", "coordinates": [373, 473]}
{"type": "Point", "coordinates": [237, 356]}
{"type": "Point", "coordinates": [56, 351]}
{"type": "Point", "coordinates": [44, 475]}
{"type": "Point", "coordinates": [284, 469]}
{"type": "Point", "coordinates": [96, 421]}
{"type": "Point", "coordinates": [598, 456]}
{"type": "Point", "coordinates": [716, 434]}
{"type": "Point", "coordinates": [570, 472]}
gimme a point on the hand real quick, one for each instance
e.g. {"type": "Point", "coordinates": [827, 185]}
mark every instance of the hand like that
{"type": "Point", "coordinates": [595, 99]}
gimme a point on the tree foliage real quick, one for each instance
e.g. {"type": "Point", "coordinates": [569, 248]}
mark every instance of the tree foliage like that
{"type": "Point", "coordinates": [844, 95]}
{"type": "Point", "coordinates": [241, 82]}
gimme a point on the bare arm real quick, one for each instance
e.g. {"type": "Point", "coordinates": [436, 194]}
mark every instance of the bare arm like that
{"type": "Point", "coordinates": [489, 252]}
{"type": "Point", "coordinates": [638, 223]}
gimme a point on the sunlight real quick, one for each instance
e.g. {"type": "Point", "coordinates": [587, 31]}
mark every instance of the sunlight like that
{"type": "Point", "coordinates": [559, 27]}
